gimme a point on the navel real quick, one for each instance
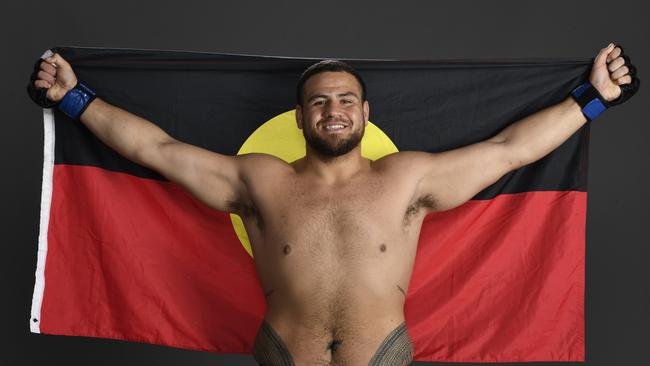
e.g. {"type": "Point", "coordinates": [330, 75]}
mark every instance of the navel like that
{"type": "Point", "coordinates": [334, 345]}
{"type": "Point", "coordinates": [286, 250]}
{"type": "Point", "coordinates": [382, 247]}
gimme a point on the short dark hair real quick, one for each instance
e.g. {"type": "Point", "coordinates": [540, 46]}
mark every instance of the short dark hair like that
{"type": "Point", "coordinates": [327, 65]}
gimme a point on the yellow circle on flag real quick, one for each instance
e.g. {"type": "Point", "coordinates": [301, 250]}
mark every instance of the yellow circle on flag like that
{"type": "Point", "coordinates": [281, 137]}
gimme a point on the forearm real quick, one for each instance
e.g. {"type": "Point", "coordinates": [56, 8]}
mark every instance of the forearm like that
{"type": "Point", "coordinates": [123, 131]}
{"type": "Point", "coordinates": [537, 135]}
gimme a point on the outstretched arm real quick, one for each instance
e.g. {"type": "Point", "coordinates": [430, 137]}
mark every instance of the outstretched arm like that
{"type": "Point", "coordinates": [455, 176]}
{"type": "Point", "coordinates": [211, 177]}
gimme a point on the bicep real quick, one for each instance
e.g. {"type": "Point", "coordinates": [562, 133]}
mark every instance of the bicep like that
{"type": "Point", "coordinates": [453, 177]}
{"type": "Point", "coordinates": [212, 178]}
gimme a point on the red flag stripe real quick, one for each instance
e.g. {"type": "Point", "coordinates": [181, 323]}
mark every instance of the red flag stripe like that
{"type": "Point", "coordinates": [139, 259]}
{"type": "Point", "coordinates": [501, 280]}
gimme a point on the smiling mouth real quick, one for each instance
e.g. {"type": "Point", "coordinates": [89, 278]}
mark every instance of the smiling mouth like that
{"type": "Point", "coordinates": [334, 127]}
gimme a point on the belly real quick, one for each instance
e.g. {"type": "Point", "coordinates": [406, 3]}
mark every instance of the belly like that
{"type": "Point", "coordinates": [331, 298]}
{"type": "Point", "coordinates": [335, 320]}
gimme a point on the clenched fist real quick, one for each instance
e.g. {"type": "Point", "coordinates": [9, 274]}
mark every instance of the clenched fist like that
{"type": "Point", "coordinates": [51, 79]}
{"type": "Point", "coordinates": [613, 75]}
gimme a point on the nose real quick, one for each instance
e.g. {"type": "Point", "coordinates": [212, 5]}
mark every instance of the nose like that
{"type": "Point", "coordinates": [332, 109]}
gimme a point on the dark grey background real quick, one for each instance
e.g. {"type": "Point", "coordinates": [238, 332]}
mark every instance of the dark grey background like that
{"type": "Point", "coordinates": [618, 294]}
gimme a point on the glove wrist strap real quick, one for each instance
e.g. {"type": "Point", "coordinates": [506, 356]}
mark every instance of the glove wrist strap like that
{"type": "Point", "coordinates": [589, 100]}
{"type": "Point", "coordinates": [76, 100]}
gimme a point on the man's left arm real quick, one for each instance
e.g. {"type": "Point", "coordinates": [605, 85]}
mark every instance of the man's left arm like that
{"type": "Point", "coordinates": [455, 176]}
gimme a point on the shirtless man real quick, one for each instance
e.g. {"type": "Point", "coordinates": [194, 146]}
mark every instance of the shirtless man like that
{"type": "Point", "coordinates": [335, 234]}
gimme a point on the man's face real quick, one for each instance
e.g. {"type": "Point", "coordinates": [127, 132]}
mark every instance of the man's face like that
{"type": "Point", "coordinates": [333, 116]}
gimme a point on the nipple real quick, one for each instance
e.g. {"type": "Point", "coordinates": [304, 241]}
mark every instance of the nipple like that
{"type": "Point", "coordinates": [286, 250]}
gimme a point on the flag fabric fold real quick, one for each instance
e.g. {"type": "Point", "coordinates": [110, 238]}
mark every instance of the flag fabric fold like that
{"type": "Point", "coordinates": [125, 254]}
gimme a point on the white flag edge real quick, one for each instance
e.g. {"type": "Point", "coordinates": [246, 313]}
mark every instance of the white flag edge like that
{"type": "Point", "coordinates": [46, 202]}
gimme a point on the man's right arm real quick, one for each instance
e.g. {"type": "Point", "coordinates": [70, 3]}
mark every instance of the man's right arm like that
{"type": "Point", "coordinates": [213, 178]}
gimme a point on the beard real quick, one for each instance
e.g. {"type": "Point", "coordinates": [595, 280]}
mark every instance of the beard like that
{"type": "Point", "coordinates": [327, 149]}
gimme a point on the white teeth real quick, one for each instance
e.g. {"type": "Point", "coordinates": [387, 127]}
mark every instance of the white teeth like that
{"type": "Point", "coordinates": [334, 127]}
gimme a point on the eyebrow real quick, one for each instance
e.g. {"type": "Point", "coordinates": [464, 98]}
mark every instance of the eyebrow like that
{"type": "Point", "coordinates": [340, 95]}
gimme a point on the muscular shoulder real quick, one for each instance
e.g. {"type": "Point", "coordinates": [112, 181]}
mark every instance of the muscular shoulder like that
{"type": "Point", "coordinates": [261, 172]}
{"type": "Point", "coordinates": [407, 170]}
{"type": "Point", "coordinates": [258, 173]}
{"type": "Point", "coordinates": [260, 159]}
{"type": "Point", "coordinates": [400, 163]}
{"type": "Point", "coordinates": [259, 166]}
{"type": "Point", "coordinates": [404, 170]}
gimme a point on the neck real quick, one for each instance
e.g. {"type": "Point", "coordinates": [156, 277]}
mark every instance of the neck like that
{"type": "Point", "coordinates": [332, 169]}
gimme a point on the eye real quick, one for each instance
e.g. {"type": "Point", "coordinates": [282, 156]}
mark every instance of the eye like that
{"type": "Point", "coordinates": [346, 101]}
{"type": "Point", "coordinates": [318, 102]}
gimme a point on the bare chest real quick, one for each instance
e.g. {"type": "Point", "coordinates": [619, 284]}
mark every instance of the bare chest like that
{"type": "Point", "coordinates": [347, 215]}
{"type": "Point", "coordinates": [363, 218]}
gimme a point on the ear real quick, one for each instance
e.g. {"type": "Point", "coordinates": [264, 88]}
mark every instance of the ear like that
{"type": "Point", "coordinates": [366, 112]}
{"type": "Point", "coordinates": [299, 116]}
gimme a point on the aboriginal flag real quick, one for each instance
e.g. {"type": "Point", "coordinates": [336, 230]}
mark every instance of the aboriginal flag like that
{"type": "Point", "coordinates": [125, 254]}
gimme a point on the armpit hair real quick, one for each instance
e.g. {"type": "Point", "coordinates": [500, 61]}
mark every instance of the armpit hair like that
{"type": "Point", "coordinates": [425, 201]}
{"type": "Point", "coordinates": [246, 210]}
